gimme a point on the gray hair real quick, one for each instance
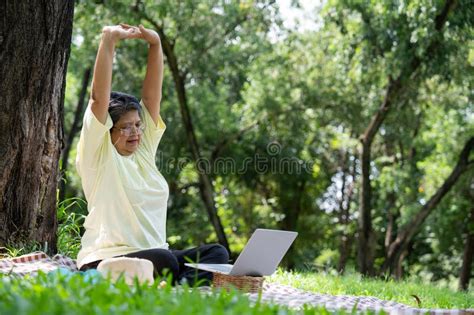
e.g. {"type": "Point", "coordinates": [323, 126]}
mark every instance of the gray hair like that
{"type": "Point", "coordinates": [121, 103]}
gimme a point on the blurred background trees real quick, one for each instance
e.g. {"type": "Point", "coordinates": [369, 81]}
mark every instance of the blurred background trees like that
{"type": "Point", "coordinates": [357, 133]}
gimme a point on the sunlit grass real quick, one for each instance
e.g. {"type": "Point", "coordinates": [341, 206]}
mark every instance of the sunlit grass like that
{"type": "Point", "coordinates": [89, 293]}
{"type": "Point", "coordinates": [398, 291]}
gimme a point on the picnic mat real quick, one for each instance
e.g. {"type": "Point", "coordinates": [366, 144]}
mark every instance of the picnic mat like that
{"type": "Point", "coordinates": [296, 299]}
{"type": "Point", "coordinates": [271, 293]}
{"type": "Point", "coordinates": [33, 262]}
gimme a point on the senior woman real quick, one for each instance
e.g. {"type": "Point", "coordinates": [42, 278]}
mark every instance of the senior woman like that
{"type": "Point", "coordinates": [127, 196]}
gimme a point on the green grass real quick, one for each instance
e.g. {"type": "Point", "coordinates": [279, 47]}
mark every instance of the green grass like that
{"type": "Point", "coordinates": [77, 294]}
{"type": "Point", "coordinates": [398, 291]}
{"type": "Point", "coordinates": [81, 293]}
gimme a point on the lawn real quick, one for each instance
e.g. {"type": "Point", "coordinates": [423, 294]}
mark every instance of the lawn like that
{"type": "Point", "coordinates": [88, 293]}
{"type": "Point", "coordinates": [429, 295]}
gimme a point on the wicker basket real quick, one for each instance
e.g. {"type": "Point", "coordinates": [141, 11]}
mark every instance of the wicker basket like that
{"type": "Point", "coordinates": [243, 283]}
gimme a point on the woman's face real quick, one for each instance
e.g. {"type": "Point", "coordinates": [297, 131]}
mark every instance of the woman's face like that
{"type": "Point", "coordinates": [126, 133]}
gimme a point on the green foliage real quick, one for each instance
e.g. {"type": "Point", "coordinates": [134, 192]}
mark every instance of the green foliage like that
{"type": "Point", "coordinates": [70, 225]}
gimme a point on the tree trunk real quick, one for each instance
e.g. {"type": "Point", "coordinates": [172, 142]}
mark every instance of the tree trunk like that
{"type": "Point", "coordinates": [206, 187]}
{"type": "Point", "coordinates": [292, 210]}
{"type": "Point", "coordinates": [35, 40]}
{"type": "Point", "coordinates": [399, 265]}
{"type": "Point", "coordinates": [75, 127]}
{"type": "Point", "coordinates": [406, 234]}
{"type": "Point", "coordinates": [393, 213]}
{"type": "Point", "coordinates": [345, 242]}
{"type": "Point", "coordinates": [466, 268]}
{"type": "Point", "coordinates": [366, 242]}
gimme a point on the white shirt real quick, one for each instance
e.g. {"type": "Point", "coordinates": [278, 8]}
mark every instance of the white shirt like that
{"type": "Point", "coordinates": [127, 196]}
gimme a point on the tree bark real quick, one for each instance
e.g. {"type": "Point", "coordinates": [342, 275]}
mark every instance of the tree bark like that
{"type": "Point", "coordinates": [35, 40]}
{"type": "Point", "coordinates": [346, 239]}
{"type": "Point", "coordinates": [75, 127]}
{"type": "Point", "coordinates": [393, 213]}
{"type": "Point", "coordinates": [206, 187]}
{"type": "Point", "coordinates": [468, 255]}
{"type": "Point", "coordinates": [366, 242]}
{"type": "Point", "coordinates": [406, 233]}
{"type": "Point", "coordinates": [292, 209]}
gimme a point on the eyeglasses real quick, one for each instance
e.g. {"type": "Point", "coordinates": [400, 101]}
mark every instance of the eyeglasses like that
{"type": "Point", "coordinates": [127, 131]}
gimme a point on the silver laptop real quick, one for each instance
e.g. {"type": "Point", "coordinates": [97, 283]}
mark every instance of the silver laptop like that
{"type": "Point", "coordinates": [260, 257]}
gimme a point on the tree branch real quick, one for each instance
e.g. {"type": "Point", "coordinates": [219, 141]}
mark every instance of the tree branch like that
{"type": "Point", "coordinates": [410, 229]}
{"type": "Point", "coordinates": [226, 141]}
{"type": "Point", "coordinates": [394, 88]}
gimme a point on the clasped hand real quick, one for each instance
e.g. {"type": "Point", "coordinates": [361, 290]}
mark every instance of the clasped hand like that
{"type": "Point", "coordinates": [125, 31]}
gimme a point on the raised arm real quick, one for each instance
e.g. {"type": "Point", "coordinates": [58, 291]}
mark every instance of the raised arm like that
{"type": "Point", "coordinates": [102, 78]}
{"type": "Point", "coordinates": [151, 92]}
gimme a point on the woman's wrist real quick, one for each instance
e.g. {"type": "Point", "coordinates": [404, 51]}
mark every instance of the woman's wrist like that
{"type": "Point", "coordinates": [108, 35]}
